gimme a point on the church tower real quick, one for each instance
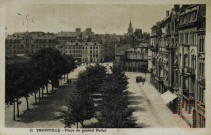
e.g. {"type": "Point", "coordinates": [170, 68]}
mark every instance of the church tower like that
{"type": "Point", "coordinates": [130, 29]}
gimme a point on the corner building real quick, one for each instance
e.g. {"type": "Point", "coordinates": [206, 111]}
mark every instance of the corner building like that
{"type": "Point", "coordinates": [178, 61]}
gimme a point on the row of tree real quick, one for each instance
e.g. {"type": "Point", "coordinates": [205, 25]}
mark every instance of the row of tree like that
{"type": "Point", "coordinates": [100, 95]}
{"type": "Point", "coordinates": [23, 79]}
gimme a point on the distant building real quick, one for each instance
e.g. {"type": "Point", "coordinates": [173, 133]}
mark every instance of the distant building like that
{"type": "Point", "coordinates": [130, 29]}
{"type": "Point", "coordinates": [74, 49]}
{"type": "Point", "coordinates": [63, 37]}
{"type": "Point", "coordinates": [137, 58]}
{"type": "Point", "coordinates": [28, 43]}
{"type": "Point", "coordinates": [92, 52]}
{"type": "Point", "coordinates": [120, 54]}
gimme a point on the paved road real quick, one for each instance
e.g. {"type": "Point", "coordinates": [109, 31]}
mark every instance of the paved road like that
{"type": "Point", "coordinates": [145, 114]}
{"type": "Point", "coordinates": [155, 113]}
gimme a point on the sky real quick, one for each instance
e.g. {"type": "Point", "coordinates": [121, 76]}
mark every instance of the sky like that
{"type": "Point", "coordinates": [104, 18]}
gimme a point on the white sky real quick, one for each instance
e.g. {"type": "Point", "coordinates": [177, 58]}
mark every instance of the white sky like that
{"type": "Point", "coordinates": [66, 17]}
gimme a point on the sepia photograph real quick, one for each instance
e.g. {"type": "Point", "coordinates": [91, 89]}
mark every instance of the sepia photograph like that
{"type": "Point", "coordinates": [103, 66]}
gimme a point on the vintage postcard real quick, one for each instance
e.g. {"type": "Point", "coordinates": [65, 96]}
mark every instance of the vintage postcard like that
{"type": "Point", "coordinates": [109, 67]}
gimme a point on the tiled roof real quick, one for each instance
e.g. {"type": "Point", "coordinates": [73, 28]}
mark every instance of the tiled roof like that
{"type": "Point", "coordinates": [32, 35]}
{"type": "Point", "coordinates": [83, 43]}
{"type": "Point", "coordinates": [42, 36]}
{"type": "Point", "coordinates": [121, 50]}
{"type": "Point", "coordinates": [67, 34]}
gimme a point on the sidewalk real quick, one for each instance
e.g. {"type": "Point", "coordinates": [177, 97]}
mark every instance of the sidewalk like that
{"type": "Point", "coordinates": [165, 114]}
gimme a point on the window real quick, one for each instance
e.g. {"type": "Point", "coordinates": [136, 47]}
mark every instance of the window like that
{"type": "Point", "coordinates": [186, 61]}
{"type": "Point", "coordinates": [188, 17]}
{"type": "Point", "coordinates": [201, 69]}
{"type": "Point", "coordinates": [201, 44]}
{"type": "Point", "coordinates": [186, 38]}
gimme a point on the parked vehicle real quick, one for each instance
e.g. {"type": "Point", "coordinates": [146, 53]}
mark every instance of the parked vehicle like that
{"type": "Point", "coordinates": [140, 79]}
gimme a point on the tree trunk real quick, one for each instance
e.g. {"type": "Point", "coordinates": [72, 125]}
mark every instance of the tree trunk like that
{"type": "Point", "coordinates": [67, 76]}
{"type": "Point", "coordinates": [47, 89]}
{"type": "Point", "coordinates": [82, 124]}
{"type": "Point", "coordinates": [17, 108]}
{"type": "Point", "coordinates": [39, 94]}
{"type": "Point", "coordinates": [42, 92]}
{"type": "Point", "coordinates": [64, 77]}
{"type": "Point", "coordinates": [57, 83]}
{"type": "Point", "coordinates": [14, 111]}
{"type": "Point", "coordinates": [77, 124]}
{"type": "Point", "coordinates": [35, 97]}
{"type": "Point", "coordinates": [27, 103]}
{"type": "Point", "coordinates": [52, 86]}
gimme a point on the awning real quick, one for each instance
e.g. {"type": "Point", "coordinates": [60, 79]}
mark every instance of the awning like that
{"type": "Point", "coordinates": [168, 96]}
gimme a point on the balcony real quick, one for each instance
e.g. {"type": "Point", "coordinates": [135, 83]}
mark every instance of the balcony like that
{"type": "Point", "coordinates": [168, 84]}
{"type": "Point", "coordinates": [153, 60]}
{"type": "Point", "coordinates": [175, 86]}
{"type": "Point", "coordinates": [160, 63]}
{"type": "Point", "coordinates": [201, 108]}
{"type": "Point", "coordinates": [170, 47]}
{"type": "Point", "coordinates": [154, 48]}
{"type": "Point", "coordinates": [201, 82]}
{"type": "Point", "coordinates": [159, 79]}
{"type": "Point", "coordinates": [185, 93]}
{"type": "Point", "coordinates": [175, 66]}
{"type": "Point", "coordinates": [189, 71]}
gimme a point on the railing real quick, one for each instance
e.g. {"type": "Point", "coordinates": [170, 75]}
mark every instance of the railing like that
{"type": "Point", "coordinates": [160, 63]}
{"type": "Point", "coordinates": [159, 78]}
{"type": "Point", "coordinates": [168, 47]}
{"type": "Point", "coordinates": [189, 70]}
{"type": "Point", "coordinates": [201, 81]}
{"type": "Point", "coordinates": [153, 60]}
{"type": "Point", "coordinates": [201, 107]}
{"type": "Point", "coordinates": [186, 92]}
{"type": "Point", "coordinates": [175, 65]}
{"type": "Point", "coordinates": [154, 48]}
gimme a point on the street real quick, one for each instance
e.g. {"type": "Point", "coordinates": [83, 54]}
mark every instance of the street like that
{"type": "Point", "coordinates": [153, 111]}
{"type": "Point", "coordinates": [150, 109]}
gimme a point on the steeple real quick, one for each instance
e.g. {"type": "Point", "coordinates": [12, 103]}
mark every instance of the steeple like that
{"type": "Point", "coordinates": [130, 29]}
{"type": "Point", "coordinates": [130, 25]}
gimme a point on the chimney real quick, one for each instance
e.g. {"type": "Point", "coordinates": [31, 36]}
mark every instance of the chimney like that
{"type": "Point", "coordinates": [78, 29]}
{"type": "Point", "coordinates": [167, 13]}
{"type": "Point", "coordinates": [176, 8]}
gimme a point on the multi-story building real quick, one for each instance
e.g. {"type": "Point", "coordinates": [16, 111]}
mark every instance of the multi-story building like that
{"type": "Point", "coordinates": [28, 43]}
{"type": "Point", "coordinates": [191, 62]}
{"type": "Point", "coordinates": [177, 61]}
{"type": "Point", "coordinates": [137, 58]}
{"type": "Point", "coordinates": [63, 37]}
{"type": "Point", "coordinates": [92, 52]}
{"type": "Point", "coordinates": [74, 49]}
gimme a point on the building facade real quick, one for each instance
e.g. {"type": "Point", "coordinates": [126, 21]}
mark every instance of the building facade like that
{"type": "Point", "coordinates": [92, 52]}
{"type": "Point", "coordinates": [28, 43]}
{"type": "Point", "coordinates": [74, 49]}
{"type": "Point", "coordinates": [178, 61]}
{"type": "Point", "coordinates": [137, 58]}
